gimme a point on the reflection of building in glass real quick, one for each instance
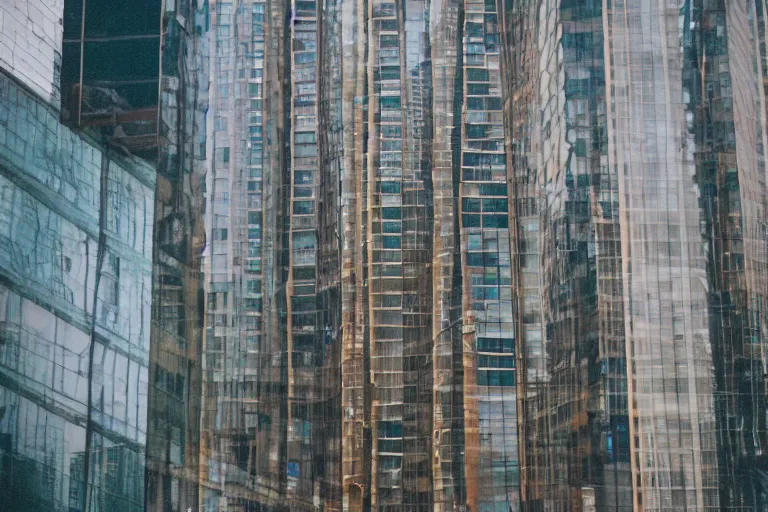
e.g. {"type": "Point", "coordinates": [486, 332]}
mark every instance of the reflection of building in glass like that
{"type": "Point", "coordinates": [398, 291]}
{"type": "Point", "coordinates": [489, 358]}
{"type": "Point", "coordinates": [78, 249]}
{"type": "Point", "coordinates": [271, 399]}
{"type": "Point", "coordinates": [356, 255]}
{"type": "Point", "coordinates": [175, 374]}
{"type": "Point", "coordinates": [639, 208]}
{"type": "Point", "coordinates": [76, 260]}
{"type": "Point", "coordinates": [244, 393]}
{"type": "Point", "coordinates": [304, 333]}
{"type": "Point", "coordinates": [424, 169]}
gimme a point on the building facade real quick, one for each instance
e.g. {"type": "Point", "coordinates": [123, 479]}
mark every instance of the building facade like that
{"type": "Point", "coordinates": [350, 255]}
{"type": "Point", "coordinates": [244, 418]}
{"type": "Point", "coordinates": [76, 313]}
{"type": "Point", "coordinates": [176, 342]}
{"type": "Point", "coordinates": [339, 181]}
{"type": "Point", "coordinates": [637, 172]}
{"type": "Point", "coordinates": [101, 230]}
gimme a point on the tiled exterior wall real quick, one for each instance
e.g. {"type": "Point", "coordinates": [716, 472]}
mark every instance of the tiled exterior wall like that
{"type": "Point", "coordinates": [30, 44]}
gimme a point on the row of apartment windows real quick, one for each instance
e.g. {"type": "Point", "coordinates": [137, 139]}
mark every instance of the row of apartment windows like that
{"type": "Point", "coordinates": [488, 221]}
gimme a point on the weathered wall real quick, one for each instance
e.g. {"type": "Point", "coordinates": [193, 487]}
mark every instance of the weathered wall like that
{"type": "Point", "coordinates": [30, 44]}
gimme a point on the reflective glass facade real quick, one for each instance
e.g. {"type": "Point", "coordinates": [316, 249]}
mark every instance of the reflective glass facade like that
{"type": "Point", "coordinates": [638, 172]}
{"type": "Point", "coordinates": [242, 423]}
{"type": "Point", "coordinates": [352, 255]}
{"type": "Point", "coordinates": [76, 311]}
{"type": "Point", "coordinates": [101, 234]}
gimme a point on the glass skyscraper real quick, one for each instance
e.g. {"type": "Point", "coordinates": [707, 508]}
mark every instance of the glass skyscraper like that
{"type": "Point", "coordinates": [352, 255]}
{"type": "Point", "coordinates": [638, 170]}
{"type": "Point", "coordinates": [101, 231]}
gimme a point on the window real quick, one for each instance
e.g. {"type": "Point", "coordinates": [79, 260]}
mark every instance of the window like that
{"type": "Point", "coordinates": [482, 159]}
{"type": "Point", "coordinates": [391, 145]}
{"type": "Point", "coordinates": [390, 227]}
{"type": "Point", "coordinates": [391, 213]}
{"type": "Point", "coordinates": [488, 361]}
{"type": "Point", "coordinates": [391, 445]}
{"type": "Point", "coordinates": [470, 221]}
{"type": "Point", "coordinates": [389, 187]}
{"type": "Point", "coordinates": [496, 378]}
{"type": "Point", "coordinates": [302, 177]}
{"type": "Point", "coordinates": [305, 138]}
{"type": "Point", "coordinates": [304, 240]}
{"type": "Point", "coordinates": [502, 345]}
{"type": "Point", "coordinates": [254, 266]}
{"type": "Point", "coordinates": [478, 89]}
{"type": "Point", "coordinates": [493, 103]}
{"type": "Point", "coordinates": [303, 274]}
{"type": "Point", "coordinates": [494, 189]}
{"type": "Point", "coordinates": [494, 205]}
{"type": "Point", "coordinates": [304, 57]}
{"type": "Point", "coordinates": [222, 155]}
{"type": "Point", "coordinates": [476, 131]}
{"type": "Point", "coordinates": [391, 301]}
{"type": "Point", "coordinates": [390, 429]}
{"type": "Point", "coordinates": [387, 41]}
{"type": "Point", "coordinates": [390, 72]}
{"type": "Point", "coordinates": [477, 75]}
{"type": "Point", "coordinates": [303, 207]}
{"type": "Point", "coordinates": [253, 286]}
{"type": "Point", "coordinates": [390, 102]}
{"type": "Point", "coordinates": [495, 221]}
{"type": "Point", "coordinates": [391, 242]}
{"type": "Point", "coordinates": [390, 462]}
{"type": "Point", "coordinates": [391, 132]}
{"type": "Point", "coordinates": [474, 242]}
{"type": "Point", "coordinates": [469, 204]}
{"type": "Point", "coordinates": [303, 304]}
{"type": "Point", "coordinates": [110, 276]}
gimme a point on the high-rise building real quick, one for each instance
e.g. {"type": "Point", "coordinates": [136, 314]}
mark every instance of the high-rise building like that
{"type": "Point", "coordinates": [639, 204]}
{"type": "Point", "coordinates": [352, 255]}
{"type": "Point", "coordinates": [101, 228]}
{"type": "Point", "coordinates": [176, 341]}
{"type": "Point", "coordinates": [425, 243]}
{"type": "Point", "coordinates": [271, 418]}
{"type": "Point", "coordinates": [244, 389]}
{"type": "Point", "coordinates": [332, 188]}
